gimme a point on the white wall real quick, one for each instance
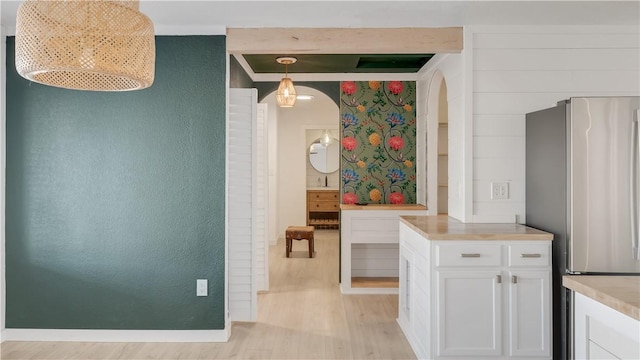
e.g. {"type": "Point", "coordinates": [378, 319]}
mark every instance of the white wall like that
{"type": "Point", "coordinates": [292, 123]}
{"type": "Point", "coordinates": [272, 163]}
{"type": "Point", "coordinates": [517, 70]}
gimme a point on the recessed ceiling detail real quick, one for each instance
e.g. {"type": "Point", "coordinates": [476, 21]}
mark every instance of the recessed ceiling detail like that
{"type": "Point", "coordinates": [340, 63]}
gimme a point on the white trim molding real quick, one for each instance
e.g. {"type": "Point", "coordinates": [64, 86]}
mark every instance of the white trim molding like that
{"type": "Point", "coordinates": [74, 335]}
{"type": "Point", "coordinates": [3, 142]}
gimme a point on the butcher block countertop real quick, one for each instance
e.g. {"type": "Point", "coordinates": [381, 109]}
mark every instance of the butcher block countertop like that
{"type": "Point", "coordinates": [442, 227]}
{"type": "Point", "coordinates": [403, 207]}
{"type": "Point", "coordinates": [621, 293]}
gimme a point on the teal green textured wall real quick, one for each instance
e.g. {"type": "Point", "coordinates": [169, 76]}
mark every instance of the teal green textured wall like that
{"type": "Point", "coordinates": [115, 201]}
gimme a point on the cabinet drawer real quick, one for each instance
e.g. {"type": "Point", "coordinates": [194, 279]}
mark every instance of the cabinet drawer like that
{"type": "Point", "coordinates": [323, 195]}
{"type": "Point", "coordinates": [529, 254]}
{"type": "Point", "coordinates": [323, 206]}
{"type": "Point", "coordinates": [468, 255]}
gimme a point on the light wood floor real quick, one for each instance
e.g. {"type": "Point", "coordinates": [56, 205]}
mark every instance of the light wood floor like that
{"type": "Point", "coordinates": [302, 316]}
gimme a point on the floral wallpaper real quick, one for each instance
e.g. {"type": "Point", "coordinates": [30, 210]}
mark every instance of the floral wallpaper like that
{"type": "Point", "coordinates": [378, 138]}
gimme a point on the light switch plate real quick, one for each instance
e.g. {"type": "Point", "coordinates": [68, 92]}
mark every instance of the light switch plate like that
{"type": "Point", "coordinates": [202, 288]}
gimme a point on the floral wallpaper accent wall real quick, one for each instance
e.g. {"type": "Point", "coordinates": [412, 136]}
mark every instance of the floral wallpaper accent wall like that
{"type": "Point", "coordinates": [378, 138]}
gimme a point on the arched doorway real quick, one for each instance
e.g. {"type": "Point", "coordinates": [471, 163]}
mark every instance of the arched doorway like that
{"type": "Point", "coordinates": [437, 146]}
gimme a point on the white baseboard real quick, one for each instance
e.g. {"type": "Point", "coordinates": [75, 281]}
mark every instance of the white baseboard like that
{"type": "Point", "coordinates": [72, 335]}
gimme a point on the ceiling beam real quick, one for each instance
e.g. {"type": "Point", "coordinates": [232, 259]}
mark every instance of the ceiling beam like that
{"type": "Point", "coordinates": [344, 41]}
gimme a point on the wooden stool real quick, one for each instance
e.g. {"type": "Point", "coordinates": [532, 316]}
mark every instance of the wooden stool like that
{"type": "Point", "coordinates": [299, 233]}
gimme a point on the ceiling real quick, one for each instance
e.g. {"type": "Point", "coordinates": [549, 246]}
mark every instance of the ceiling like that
{"type": "Point", "coordinates": [205, 17]}
{"type": "Point", "coordinates": [213, 17]}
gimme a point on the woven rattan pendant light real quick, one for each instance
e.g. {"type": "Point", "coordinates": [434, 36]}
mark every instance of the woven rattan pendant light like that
{"type": "Point", "coordinates": [85, 44]}
{"type": "Point", "coordinates": [286, 93]}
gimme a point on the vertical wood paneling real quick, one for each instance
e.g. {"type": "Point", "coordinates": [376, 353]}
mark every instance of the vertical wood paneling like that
{"type": "Point", "coordinates": [242, 208]}
{"type": "Point", "coordinates": [262, 201]}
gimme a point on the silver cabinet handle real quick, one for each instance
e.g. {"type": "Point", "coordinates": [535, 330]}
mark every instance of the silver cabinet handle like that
{"type": "Point", "coordinates": [514, 279]}
{"type": "Point", "coordinates": [499, 279]}
{"type": "Point", "coordinates": [469, 255]}
{"type": "Point", "coordinates": [530, 255]}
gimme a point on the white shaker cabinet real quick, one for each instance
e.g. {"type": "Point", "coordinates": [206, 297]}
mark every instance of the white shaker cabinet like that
{"type": "Point", "coordinates": [477, 298]}
{"type": "Point", "coordinates": [530, 313]}
{"type": "Point", "coordinates": [469, 313]}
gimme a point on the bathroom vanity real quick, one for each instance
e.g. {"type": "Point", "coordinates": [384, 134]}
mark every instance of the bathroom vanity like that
{"type": "Point", "coordinates": [323, 208]}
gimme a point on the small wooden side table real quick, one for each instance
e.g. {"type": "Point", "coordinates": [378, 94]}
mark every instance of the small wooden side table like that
{"type": "Point", "coordinates": [299, 233]}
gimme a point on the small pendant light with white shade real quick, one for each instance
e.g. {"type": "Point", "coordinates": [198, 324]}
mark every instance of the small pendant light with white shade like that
{"type": "Point", "coordinates": [286, 94]}
{"type": "Point", "coordinates": [326, 138]}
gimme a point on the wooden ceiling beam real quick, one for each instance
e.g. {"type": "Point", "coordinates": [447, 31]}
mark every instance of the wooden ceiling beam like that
{"type": "Point", "coordinates": [344, 41]}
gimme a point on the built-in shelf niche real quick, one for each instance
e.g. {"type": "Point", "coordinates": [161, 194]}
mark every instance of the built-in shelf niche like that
{"type": "Point", "coordinates": [443, 167]}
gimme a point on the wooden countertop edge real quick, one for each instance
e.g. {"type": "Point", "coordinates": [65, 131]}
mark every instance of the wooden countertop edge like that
{"type": "Point", "coordinates": [605, 296]}
{"type": "Point", "coordinates": [457, 235]}
{"type": "Point", "coordinates": [400, 207]}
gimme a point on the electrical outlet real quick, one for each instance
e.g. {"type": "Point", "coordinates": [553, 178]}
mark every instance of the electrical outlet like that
{"type": "Point", "coordinates": [202, 288]}
{"type": "Point", "coordinates": [499, 190]}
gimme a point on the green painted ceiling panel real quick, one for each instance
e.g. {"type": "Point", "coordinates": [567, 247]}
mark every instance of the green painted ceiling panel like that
{"type": "Point", "coordinates": [340, 63]}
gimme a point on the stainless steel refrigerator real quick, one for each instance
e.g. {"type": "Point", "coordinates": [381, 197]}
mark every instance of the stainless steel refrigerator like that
{"type": "Point", "coordinates": [582, 185]}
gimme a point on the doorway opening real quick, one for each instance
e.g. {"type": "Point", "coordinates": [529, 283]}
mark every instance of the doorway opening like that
{"type": "Point", "coordinates": [437, 150]}
{"type": "Point", "coordinates": [290, 133]}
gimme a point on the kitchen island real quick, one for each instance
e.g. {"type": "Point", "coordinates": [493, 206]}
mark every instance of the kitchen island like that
{"type": "Point", "coordinates": [474, 290]}
{"type": "Point", "coordinates": [606, 316]}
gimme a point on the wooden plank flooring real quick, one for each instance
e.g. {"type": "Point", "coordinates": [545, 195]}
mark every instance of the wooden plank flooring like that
{"type": "Point", "coordinates": [302, 316]}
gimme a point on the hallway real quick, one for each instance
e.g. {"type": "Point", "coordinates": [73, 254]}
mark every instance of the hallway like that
{"type": "Point", "coordinates": [303, 316]}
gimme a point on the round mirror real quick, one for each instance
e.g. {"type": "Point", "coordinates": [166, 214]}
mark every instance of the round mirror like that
{"type": "Point", "coordinates": [325, 159]}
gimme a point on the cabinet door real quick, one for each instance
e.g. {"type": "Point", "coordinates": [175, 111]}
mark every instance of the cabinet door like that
{"type": "Point", "coordinates": [406, 287]}
{"type": "Point", "coordinates": [469, 308]}
{"type": "Point", "coordinates": [530, 313]}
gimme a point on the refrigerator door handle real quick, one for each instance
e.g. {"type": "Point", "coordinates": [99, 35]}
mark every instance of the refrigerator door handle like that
{"type": "Point", "coordinates": [633, 180]}
{"type": "Point", "coordinates": [524, 255]}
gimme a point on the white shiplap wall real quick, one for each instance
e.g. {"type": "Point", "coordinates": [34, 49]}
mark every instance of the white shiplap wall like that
{"type": "Point", "coordinates": [374, 260]}
{"type": "Point", "coordinates": [517, 70]}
